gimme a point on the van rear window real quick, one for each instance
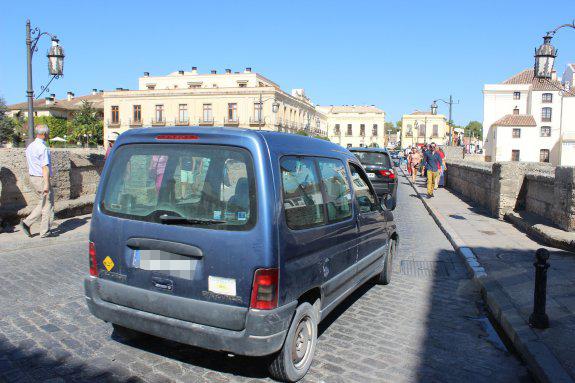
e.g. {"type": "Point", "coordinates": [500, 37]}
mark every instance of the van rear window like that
{"type": "Point", "coordinates": [211, 186]}
{"type": "Point", "coordinates": [373, 158]}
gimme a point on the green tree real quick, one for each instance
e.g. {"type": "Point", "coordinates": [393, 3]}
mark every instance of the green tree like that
{"type": "Point", "coordinates": [58, 126]}
{"type": "Point", "coordinates": [84, 123]}
{"type": "Point", "coordinates": [474, 128]}
{"type": "Point", "coordinates": [8, 126]}
{"type": "Point", "coordinates": [399, 124]}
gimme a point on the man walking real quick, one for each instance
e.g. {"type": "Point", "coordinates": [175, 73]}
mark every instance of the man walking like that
{"type": "Point", "coordinates": [40, 170]}
{"type": "Point", "coordinates": [432, 161]}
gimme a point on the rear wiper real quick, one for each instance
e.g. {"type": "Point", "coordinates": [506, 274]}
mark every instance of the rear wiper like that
{"type": "Point", "coordinates": [173, 220]}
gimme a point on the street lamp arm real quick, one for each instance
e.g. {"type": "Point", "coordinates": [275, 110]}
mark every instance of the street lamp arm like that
{"type": "Point", "coordinates": [35, 39]}
{"type": "Point", "coordinates": [446, 102]}
{"type": "Point", "coordinates": [572, 25]}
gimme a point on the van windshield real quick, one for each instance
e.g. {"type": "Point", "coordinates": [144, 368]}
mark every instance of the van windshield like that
{"type": "Point", "coordinates": [372, 158]}
{"type": "Point", "coordinates": [182, 184]}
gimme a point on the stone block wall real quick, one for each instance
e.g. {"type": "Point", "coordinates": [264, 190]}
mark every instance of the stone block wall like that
{"type": "Point", "coordinates": [75, 173]}
{"type": "Point", "coordinates": [503, 187]}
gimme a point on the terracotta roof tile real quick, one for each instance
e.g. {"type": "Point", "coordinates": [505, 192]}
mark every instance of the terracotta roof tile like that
{"type": "Point", "coordinates": [97, 101]}
{"type": "Point", "coordinates": [516, 120]}
{"type": "Point", "coordinates": [527, 77]}
{"type": "Point", "coordinates": [354, 109]}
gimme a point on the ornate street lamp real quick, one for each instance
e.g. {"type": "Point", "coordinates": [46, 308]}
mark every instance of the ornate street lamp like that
{"type": "Point", "coordinates": [546, 53]}
{"type": "Point", "coordinates": [55, 68]}
{"type": "Point", "coordinates": [434, 108]}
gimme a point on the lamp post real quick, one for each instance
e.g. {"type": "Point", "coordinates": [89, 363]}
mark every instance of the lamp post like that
{"type": "Point", "coordinates": [275, 108]}
{"type": "Point", "coordinates": [546, 53]}
{"type": "Point", "coordinates": [55, 68]}
{"type": "Point", "coordinates": [450, 122]}
{"type": "Point", "coordinates": [416, 127]}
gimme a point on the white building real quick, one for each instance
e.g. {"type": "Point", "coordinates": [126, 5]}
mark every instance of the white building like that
{"type": "Point", "coordinates": [355, 125]}
{"type": "Point", "coordinates": [526, 119]}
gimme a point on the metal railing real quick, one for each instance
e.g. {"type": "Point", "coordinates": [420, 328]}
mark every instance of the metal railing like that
{"type": "Point", "coordinates": [205, 121]}
{"type": "Point", "coordinates": [159, 122]}
{"type": "Point", "coordinates": [113, 123]}
{"type": "Point", "coordinates": [257, 121]}
{"type": "Point", "coordinates": [135, 122]}
{"type": "Point", "coordinates": [182, 122]}
{"type": "Point", "coordinates": [231, 121]}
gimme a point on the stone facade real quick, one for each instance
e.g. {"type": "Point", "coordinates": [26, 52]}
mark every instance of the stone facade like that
{"type": "Point", "coordinates": [503, 187]}
{"type": "Point", "coordinates": [76, 173]}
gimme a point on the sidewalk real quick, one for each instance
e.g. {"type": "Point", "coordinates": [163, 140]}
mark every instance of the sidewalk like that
{"type": "Point", "coordinates": [501, 257]}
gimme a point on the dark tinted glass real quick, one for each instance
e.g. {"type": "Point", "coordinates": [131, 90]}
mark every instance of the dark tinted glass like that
{"type": "Point", "coordinates": [373, 158]}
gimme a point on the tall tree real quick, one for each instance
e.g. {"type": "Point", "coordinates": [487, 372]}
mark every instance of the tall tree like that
{"type": "Point", "coordinates": [8, 131]}
{"type": "Point", "coordinates": [85, 122]}
{"type": "Point", "coordinates": [474, 128]}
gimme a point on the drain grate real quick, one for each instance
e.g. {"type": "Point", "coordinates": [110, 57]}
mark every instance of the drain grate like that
{"type": "Point", "coordinates": [425, 269]}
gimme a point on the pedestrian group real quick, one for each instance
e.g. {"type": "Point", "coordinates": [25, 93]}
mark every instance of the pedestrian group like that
{"type": "Point", "coordinates": [427, 161]}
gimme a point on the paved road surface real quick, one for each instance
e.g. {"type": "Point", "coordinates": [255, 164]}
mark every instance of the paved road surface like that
{"type": "Point", "coordinates": [428, 325]}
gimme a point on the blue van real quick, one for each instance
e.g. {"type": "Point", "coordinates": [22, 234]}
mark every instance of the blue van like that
{"type": "Point", "coordinates": [233, 240]}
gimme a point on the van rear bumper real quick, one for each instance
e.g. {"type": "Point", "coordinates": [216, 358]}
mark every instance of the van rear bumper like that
{"type": "Point", "coordinates": [264, 333]}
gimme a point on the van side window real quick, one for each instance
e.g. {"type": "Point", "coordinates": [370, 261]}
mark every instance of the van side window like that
{"type": "Point", "coordinates": [303, 201]}
{"type": "Point", "coordinates": [336, 188]}
{"type": "Point", "coordinates": [366, 199]}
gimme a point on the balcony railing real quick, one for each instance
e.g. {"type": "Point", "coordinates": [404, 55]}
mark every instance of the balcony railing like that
{"type": "Point", "coordinates": [231, 121]}
{"type": "Point", "coordinates": [113, 123]}
{"type": "Point", "coordinates": [206, 121]}
{"type": "Point", "coordinates": [135, 122]}
{"type": "Point", "coordinates": [257, 121]}
{"type": "Point", "coordinates": [182, 122]}
{"type": "Point", "coordinates": [159, 122]}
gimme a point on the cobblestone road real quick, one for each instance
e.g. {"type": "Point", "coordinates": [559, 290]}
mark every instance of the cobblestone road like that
{"type": "Point", "coordinates": [428, 325]}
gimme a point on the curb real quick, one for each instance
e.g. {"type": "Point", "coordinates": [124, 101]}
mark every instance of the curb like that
{"type": "Point", "coordinates": [539, 358]}
{"type": "Point", "coordinates": [541, 232]}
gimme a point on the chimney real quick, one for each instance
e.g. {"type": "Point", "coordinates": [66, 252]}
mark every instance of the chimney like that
{"type": "Point", "coordinates": [53, 95]}
{"type": "Point", "coordinates": [248, 70]}
{"type": "Point", "coordinates": [554, 75]}
{"type": "Point", "coordinates": [70, 96]}
{"type": "Point", "coordinates": [228, 71]}
{"type": "Point", "coordinates": [146, 74]}
{"type": "Point", "coordinates": [194, 70]}
{"type": "Point", "coordinates": [101, 91]}
{"type": "Point", "coordinates": [94, 91]}
{"type": "Point", "coordinates": [180, 72]}
{"type": "Point", "coordinates": [119, 89]}
{"type": "Point", "coordinates": [50, 99]}
{"type": "Point", "coordinates": [213, 71]}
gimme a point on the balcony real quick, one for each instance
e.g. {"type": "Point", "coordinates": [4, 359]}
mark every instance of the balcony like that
{"type": "Point", "coordinates": [158, 121]}
{"type": "Point", "coordinates": [231, 121]}
{"type": "Point", "coordinates": [113, 124]}
{"type": "Point", "coordinates": [135, 123]}
{"type": "Point", "coordinates": [255, 121]}
{"type": "Point", "coordinates": [206, 121]}
{"type": "Point", "coordinates": [182, 122]}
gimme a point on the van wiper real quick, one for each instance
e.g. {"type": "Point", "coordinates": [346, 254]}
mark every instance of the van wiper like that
{"type": "Point", "coordinates": [173, 220]}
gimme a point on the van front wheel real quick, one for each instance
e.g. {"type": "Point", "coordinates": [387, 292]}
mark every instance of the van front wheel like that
{"type": "Point", "coordinates": [293, 360]}
{"type": "Point", "coordinates": [384, 278]}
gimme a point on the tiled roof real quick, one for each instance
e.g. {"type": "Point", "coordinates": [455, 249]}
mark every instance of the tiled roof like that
{"type": "Point", "coordinates": [354, 109]}
{"type": "Point", "coordinates": [97, 101]}
{"type": "Point", "coordinates": [419, 113]}
{"type": "Point", "coordinates": [516, 120]}
{"type": "Point", "coordinates": [527, 77]}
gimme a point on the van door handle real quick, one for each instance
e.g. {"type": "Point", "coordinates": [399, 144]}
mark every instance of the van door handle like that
{"type": "Point", "coordinates": [164, 284]}
{"type": "Point", "coordinates": [167, 246]}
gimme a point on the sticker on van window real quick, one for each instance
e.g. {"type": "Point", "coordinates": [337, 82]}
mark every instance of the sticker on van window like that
{"type": "Point", "coordinates": [217, 214]}
{"type": "Point", "coordinates": [242, 216]}
{"type": "Point", "coordinates": [224, 286]}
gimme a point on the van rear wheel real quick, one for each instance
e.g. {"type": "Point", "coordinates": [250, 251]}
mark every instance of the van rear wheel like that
{"type": "Point", "coordinates": [384, 278]}
{"type": "Point", "coordinates": [293, 360]}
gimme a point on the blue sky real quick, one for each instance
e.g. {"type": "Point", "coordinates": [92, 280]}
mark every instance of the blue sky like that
{"type": "Point", "coordinates": [398, 55]}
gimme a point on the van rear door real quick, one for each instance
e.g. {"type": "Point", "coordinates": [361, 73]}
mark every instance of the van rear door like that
{"type": "Point", "coordinates": [175, 225]}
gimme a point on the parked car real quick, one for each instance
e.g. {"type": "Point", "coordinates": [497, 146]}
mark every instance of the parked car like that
{"type": "Point", "coordinates": [233, 240]}
{"type": "Point", "coordinates": [380, 170]}
{"type": "Point", "coordinates": [395, 157]}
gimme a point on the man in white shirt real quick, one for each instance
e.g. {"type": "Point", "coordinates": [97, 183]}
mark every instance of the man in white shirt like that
{"type": "Point", "coordinates": [40, 170]}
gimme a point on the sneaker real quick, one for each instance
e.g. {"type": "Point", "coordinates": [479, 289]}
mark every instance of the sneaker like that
{"type": "Point", "coordinates": [25, 228]}
{"type": "Point", "coordinates": [47, 235]}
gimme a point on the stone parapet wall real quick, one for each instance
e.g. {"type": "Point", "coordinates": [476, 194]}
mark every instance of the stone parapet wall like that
{"type": "Point", "coordinates": [75, 174]}
{"type": "Point", "coordinates": [503, 187]}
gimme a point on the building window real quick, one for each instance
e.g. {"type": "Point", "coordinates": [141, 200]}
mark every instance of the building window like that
{"type": "Point", "coordinates": [409, 130]}
{"type": "Point", "coordinates": [435, 130]}
{"type": "Point", "coordinates": [374, 130]}
{"type": "Point", "coordinates": [545, 131]}
{"type": "Point", "coordinates": [207, 113]}
{"type": "Point", "coordinates": [362, 130]}
{"type": "Point", "coordinates": [547, 97]}
{"type": "Point", "coordinates": [336, 130]}
{"type": "Point", "coordinates": [544, 155]}
{"type": "Point", "coordinates": [516, 110]}
{"type": "Point", "coordinates": [516, 95]}
{"type": "Point", "coordinates": [422, 130]}
{"type": "Point", "coordinates": [257, 111]}
{"type": "Point", "coordinates": [115, 114]}
{"type": "Point", "coordinates": [349, 130]}
{"type": "Point", "coordinates": [137, 113]}
{"type": "Point", "coordinates": [159, 113]}
{"type": "Point", "coordinates": [515, 155]}
{"type": "Point", "coordinates": [546, 114]}
{"type": "Point", "coordinates": [242, 85]}
{"type": "Point", "coordinates": [516, 133]}
{"type": "Point", "coordinates": [183, 112]}
{"type": "Point", "coordinates": [232, 111]}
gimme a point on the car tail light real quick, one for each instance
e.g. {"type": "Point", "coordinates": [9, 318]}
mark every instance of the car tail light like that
{"type": "Point", "coordinates": [387, 173]}
{"type": "Point", "coordinates": [93, 261]}
{"type": "Point", "coordinates": [177, 137]}
{"type": "Point", "coordinates": [265, 289]}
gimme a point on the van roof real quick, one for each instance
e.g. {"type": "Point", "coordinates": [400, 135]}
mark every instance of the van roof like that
{"type": "Point", "coordinates": [274, 140]}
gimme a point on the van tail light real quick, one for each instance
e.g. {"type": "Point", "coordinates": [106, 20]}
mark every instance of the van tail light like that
{"type": "Point", "coordinates": [265, 289]}
{"type": "Point", "coordinates": [387, 174]}
{"type": "Point", "coordinates": [93, 261]}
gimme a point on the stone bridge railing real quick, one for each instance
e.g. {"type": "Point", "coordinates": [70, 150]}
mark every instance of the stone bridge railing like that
{"type": "Point", "coordinates": [503, 187]}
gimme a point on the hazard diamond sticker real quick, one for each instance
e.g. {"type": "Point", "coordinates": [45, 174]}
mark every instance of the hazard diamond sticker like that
{"type": "Point", "coordinates": [108, 263]}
